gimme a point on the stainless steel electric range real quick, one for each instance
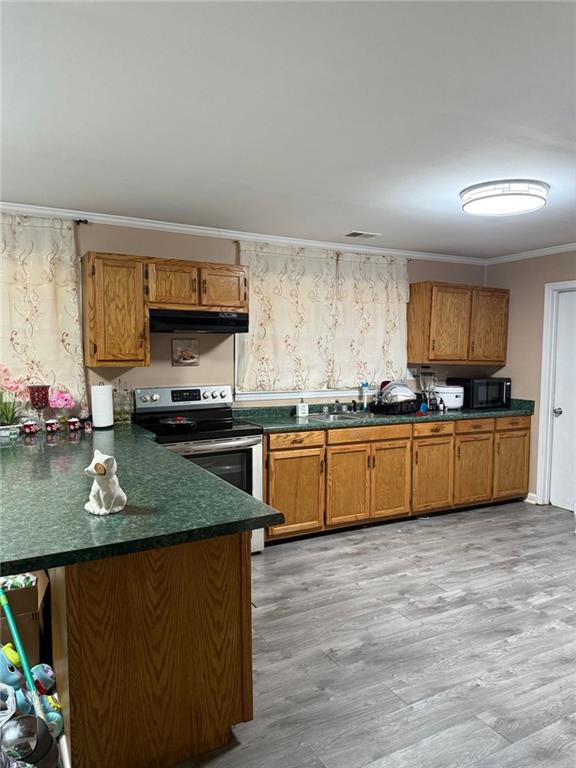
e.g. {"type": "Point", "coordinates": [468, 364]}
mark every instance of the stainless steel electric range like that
{"type": "Point", "coordinates": [197, 423]}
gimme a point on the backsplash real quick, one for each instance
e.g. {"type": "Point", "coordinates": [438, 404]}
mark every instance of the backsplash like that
{"type": "Point", "coordinates": [216, 364]}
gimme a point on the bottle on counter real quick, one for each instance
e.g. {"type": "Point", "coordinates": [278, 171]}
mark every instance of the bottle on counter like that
{"type": "Point", "coordinates": [364, 395]}
{"type": "Point", "coordinates": [127, 406]}
{"type": "Point", "coordinates": [302, 409]}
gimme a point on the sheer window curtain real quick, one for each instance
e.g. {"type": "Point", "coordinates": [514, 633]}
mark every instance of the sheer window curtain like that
{"type": "Point", "coordinates": [290, 342]}
{"type": "Point", "coordinates": [321, 320]}
{"type": "Point", "coordinates": [39, 285]}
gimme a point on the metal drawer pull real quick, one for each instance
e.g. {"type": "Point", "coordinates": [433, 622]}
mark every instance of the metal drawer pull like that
{"type": "Point", "coordinates": [436, 429]}
{"type": "Point", "coordinates": [297, 440]}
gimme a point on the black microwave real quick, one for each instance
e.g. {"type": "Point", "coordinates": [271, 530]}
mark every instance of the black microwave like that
{"type": "Point", "coordinates": [484, 393]}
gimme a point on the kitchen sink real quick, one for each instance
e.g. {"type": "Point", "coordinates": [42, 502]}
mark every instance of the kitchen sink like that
{"type": "Point", "coordinates": [361, 415]}
{"type": "Point", "coordinates": [330, 417]}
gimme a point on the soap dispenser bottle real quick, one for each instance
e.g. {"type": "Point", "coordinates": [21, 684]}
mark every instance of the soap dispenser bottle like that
{"type": "Point", "coordinates": [302, 409]}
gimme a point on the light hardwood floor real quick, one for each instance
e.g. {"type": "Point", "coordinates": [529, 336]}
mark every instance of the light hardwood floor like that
{"type": "Point", "coordinates": [447, 642]}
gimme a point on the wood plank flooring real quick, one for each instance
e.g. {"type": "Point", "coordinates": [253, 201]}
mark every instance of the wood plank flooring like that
{"type": "Point", "coordinates": [442, 642]}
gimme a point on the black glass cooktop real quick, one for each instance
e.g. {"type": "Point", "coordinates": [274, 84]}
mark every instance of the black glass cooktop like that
{"type": "Point", "coordinates": [186, 426]}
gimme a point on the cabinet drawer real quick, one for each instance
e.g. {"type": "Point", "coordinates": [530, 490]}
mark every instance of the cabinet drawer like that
{"type": "Point", "coordinates": [513, 422]}
{"type": "Point", "coordinates": [474, 425]}
{"type": "Point", "coordinates": [284, 440]}
{"type": "Point", "coordinates": [367, 434]}
{"type": "Point", "coordinates": [431, 429]}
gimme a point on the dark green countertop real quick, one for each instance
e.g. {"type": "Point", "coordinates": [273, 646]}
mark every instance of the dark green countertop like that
{"type": "Point", "coordinates": [43, 523]}
{"type": "Point", "coordinates": [283, 418]}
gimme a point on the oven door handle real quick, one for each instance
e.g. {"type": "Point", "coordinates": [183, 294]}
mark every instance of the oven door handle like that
{"type": "Point", "coordinates": [213, 446]}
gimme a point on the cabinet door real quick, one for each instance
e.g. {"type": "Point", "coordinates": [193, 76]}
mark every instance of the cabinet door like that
{"type": "Point", "coordinates": [432, 461]}
{"type": "Point", "coordinates": [473, 468]}
{"type": "Point", "coordinates": [224, 287]}
{"type": "Point", "coordinates": [348, 483]}
{"type": "Point", "coordinates": [488, 325]}
{"type": "Point", "coordinates": [449, 322]}
{"type": "Point", "coordinates": [296, 488]}
{"type": "Point", "coordinates": [120, 325]}
{"type": "Point", "coordinates": [511, 463]}
{"type": "Point", "coordinates": [390, 479]}
{"type": "Point", "coordinates": [173, 284]}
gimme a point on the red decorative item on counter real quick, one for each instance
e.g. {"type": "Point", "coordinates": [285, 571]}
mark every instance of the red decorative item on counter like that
{"type": "Point", "coordinates": [73, 424]}
{"type": "Point", "coordinates": [30, 427]}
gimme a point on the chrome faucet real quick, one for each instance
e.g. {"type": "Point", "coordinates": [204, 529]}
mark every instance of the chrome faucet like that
{"type": "Point", "coordinates": [336, 406]}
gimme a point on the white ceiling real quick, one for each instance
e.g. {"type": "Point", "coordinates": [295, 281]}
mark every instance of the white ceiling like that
{"type": "Point", "coordinates": [299, 119]}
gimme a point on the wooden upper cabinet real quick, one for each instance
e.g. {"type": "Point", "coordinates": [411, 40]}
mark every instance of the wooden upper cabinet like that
{"type": "Point", "coordinates": [488, 325]}
{"type": "Point", "coordinates": [457, 323]}
{"type": "Point", "coordinates": [172, 283]}
{"type": "Point", "coordinates": [224, 286]}
{"type": "Point", "coordinates": [115, 320]}
{"type": "Point", "coordinates": [449, 323]}
{"type": "Point", "coordinates": [119, 290]}
{"type": "Point", "coordinates": [296, 488]}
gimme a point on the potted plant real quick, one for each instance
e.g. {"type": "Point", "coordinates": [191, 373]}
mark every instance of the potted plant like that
{"type": "Point", "coordinates": [12, 391]}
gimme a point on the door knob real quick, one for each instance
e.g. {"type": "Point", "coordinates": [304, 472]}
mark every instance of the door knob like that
{"type": "Point", "coordinates": [557, 411]}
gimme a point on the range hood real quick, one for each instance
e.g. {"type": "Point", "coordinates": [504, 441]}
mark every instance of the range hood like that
{"type": "Point", "coordinates": [176, 320]}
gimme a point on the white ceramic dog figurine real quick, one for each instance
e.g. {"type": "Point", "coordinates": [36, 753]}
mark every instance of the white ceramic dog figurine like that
{"type": "Point", "coordinates": [106, 496]}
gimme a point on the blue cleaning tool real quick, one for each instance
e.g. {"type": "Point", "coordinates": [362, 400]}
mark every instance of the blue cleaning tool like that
{"type": "Point", "coordinates": [38, 711]}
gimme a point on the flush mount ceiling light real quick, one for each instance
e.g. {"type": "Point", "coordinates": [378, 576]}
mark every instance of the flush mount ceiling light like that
{"type": "Point", "coordinates": [504, 198]}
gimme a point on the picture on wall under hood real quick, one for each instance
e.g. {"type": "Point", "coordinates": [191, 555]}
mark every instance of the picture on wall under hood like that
{"type": "Point", "coordinates": [185, 352]}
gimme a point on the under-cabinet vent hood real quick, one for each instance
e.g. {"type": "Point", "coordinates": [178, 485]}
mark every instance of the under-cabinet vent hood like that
{"type": "Point", "coordinates": [177, 320]}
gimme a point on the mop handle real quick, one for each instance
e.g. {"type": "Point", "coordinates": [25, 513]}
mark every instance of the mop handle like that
{"type": "Point", "coordinates": [22, 653]}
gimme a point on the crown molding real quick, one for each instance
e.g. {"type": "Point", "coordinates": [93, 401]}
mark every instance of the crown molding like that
{"type": "Point", "coordinates": [230, 234]}
{"type": "Point", "coordinates": [565, 248]}
{"type": "Point", "coordinates": [226, 234]}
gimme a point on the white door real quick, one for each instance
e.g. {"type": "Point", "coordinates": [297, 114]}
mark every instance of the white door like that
{"type": "Point", "coordinates": [563, 471]}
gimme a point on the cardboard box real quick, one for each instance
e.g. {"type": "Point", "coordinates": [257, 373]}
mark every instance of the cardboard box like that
{"type": "Point", "coordinates": [26, 606]}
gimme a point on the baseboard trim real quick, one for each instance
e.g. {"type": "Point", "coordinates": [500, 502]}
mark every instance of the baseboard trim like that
{"type": "Point", "coordinates": [533, 498]}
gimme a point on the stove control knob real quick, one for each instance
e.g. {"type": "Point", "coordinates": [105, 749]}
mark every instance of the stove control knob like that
{"type": "Point", "coordinates": [145, 398]}
{"type": "Point", "coordinates": [155, 397]}
{"type": "Point", "coordinates": [214, 395]}
{"type": "Point", "coordinates": [223, 393]}
{"type": "Point", "coordinates": [205, 395]}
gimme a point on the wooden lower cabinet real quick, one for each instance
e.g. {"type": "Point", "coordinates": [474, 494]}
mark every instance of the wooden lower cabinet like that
{"type": "Point", "coordinates": [390, 479]}
{"type": "Point", "coordinates": [511, 463]}
{"type": "Point", "coordinates": [432, 463]}
{"type": "Point", "coordinates": [473, 459]}
{"type": "Point", "coordinates": [348, 483]}
{"type": "Point", "coordinates": [296, 488]}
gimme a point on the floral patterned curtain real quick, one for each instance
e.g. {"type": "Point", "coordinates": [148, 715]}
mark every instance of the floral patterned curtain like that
{"type": "Point", "coordinates": [321, 320]}
{"type": "Point", "coordinates": [39, 295]}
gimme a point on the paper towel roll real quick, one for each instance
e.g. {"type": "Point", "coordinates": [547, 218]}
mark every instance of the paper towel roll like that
{"type": "Point", "coordinates": [102, 406]}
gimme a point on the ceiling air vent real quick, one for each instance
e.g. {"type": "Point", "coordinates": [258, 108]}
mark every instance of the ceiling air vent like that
{"type": "Point", "coordinates": [363, 235]}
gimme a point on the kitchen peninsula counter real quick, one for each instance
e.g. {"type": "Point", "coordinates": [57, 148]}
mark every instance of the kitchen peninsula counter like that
{"type": "Point", "coordinates": [170, 501]}
{"type": "Point", "coordinates": [151, 612]}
